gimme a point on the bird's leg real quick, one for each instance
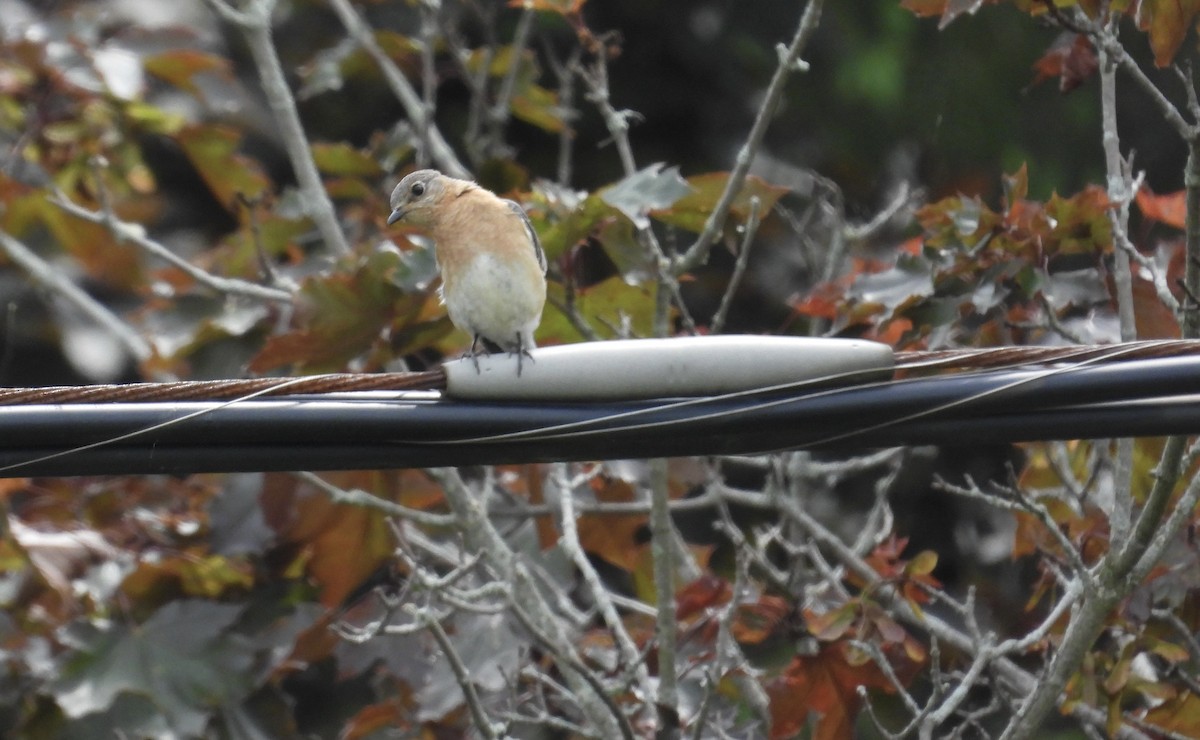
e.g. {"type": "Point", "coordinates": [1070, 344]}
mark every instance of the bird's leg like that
{"type": "Point", "coordinates": [521, 352]}
{"type": "Point", "coordinates": [473, 353]}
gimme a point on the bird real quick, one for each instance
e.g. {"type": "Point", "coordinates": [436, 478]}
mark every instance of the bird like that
{"type": "Point", "coordinates": [492, 264]}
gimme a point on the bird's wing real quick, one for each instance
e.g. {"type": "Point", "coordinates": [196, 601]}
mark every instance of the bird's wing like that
{"type": "Point", "coordinates": [516, 208]}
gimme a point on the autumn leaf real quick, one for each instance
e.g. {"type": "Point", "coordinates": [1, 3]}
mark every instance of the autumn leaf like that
{"type": "Point", "coordinates": [825, 684]}
{"type": "Point", "coordinates": [947, 9]}
{"type": "Point", "coordinates": [613, 538]}
{"type": "Point", "coordinates": [1167, 22]}
{"type": "Point", "coordinates": [703, 593]}
{"type": "Point", "coordinates": [562, 7]}
{"type": "Point", "coordinates": [213, 151]}
{"type": "Point", "coordinates": [1179, 715]}
{"type": "Point", "coordinates": [342, 316]}
{"type": "Point", "coordinates": [346, 544]}
{"type": "Point", "coordinates": [756, 622]}
{"type": "Point", "coordinates": [691, 211]}
{"type": "Point", "coordinates": [1170, 209]}
{"type": "Point", "coordinates": [179, 67]}
{"type": "Point", "coordinates": [1071, 58]}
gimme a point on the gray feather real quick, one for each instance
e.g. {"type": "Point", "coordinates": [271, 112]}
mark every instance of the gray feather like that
{"type": "Point", "coordinates": [533, 237]}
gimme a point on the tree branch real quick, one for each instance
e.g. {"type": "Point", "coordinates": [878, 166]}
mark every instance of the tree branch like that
{"type": "Point", "coordinates": [442, 153]}
{"type": "Point", "coordinates": [789, 61]}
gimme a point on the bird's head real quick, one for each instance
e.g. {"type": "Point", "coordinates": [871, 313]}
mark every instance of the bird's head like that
{"type": "Point", "coordinates": [415, 198]}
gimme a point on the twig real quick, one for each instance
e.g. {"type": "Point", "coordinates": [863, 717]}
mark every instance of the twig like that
{"type": "Point", "coordinates": [569, 542]}
{"type": "Point", "coordinates": [441, 152]}
{"type": "Point", "coordinates": [571, 312]}
{"type": "Point", "coordinates": [1017, 678]}
{"type": "Point", "coordinates": [1120, 192]}
{"type": "Point", "coordinates": [617, 123]}
{"type": "Point", "coordinates": [136, 235]}
{"type": "Point", "coordinates": [528, 600]}
{"type": "Point", "coordinates": [255, 26]}
{"type": "Point", "coordinates": [478, 713]}
{"type": "Point", "coordinates": [566, 73]}
{"type": "Point", "coordinates": [739, 267]}
{"type": "Point", "coordinates": [59, 284]}
{"type": "Point", "coordinates": [361, 498]}
{"type": "Point", "coordinates": [1018, 502]}
{"type": "Point", "coordinates": [428, 42]}
{"type": "Point", "coordinates": [789, 61]}
{"type": "Point", "coordinates": [661, 535]}
{"type": "Point", "coordinates": [500, 111]}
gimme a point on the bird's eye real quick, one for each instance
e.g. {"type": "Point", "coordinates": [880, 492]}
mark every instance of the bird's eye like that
{"type": "Point", "coordinates": [417, 189]}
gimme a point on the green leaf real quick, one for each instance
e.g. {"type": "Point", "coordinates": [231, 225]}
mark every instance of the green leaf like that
{"type": "Point", "coordinates": [537, 106]}
{"type": "Point", "coordinates": [182, 659]}
{"type": "Point", "coordinates": [692, 210]}
{"type": "Point", "coordinates": [620, 243]}
{"type": "Point", "coordinates": [180, 66]}
{"type": "Point", "coordinates": [562, 232]}
{"type": "Point", "coordinates": [608, 307]}
{"type": "Point", "coordinates": [212, 150]}
{"type": "Point", "coordinates": [339, 158]}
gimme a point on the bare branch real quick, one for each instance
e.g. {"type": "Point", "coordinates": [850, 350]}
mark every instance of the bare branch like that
{"type": "Point", "coordinates": [255, 26]}
{"type": "Point", "coordinates": [58, 283]}
{"type": "Point", "coordinates": [739, 268]}
{"type": "Point", "coordinates": [528, 600]}
{"type": "Point", "coordinates": [789, 61]}
{"type": "Point", "coordinates": [441, 152]}
{"type": "Point", "coordinates": [569, 541]}
{"type": "Point", "coordinates": [359, 497]}
{"type": "Point", "coordinates": [136, 235]}
{"type": "Point", "coordinates": [478, 712]}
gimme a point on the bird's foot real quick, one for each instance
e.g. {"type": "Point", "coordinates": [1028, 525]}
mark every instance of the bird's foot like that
{"type": "Point", "coordinates": [521, 352]}
{"type": "Point", "coordinates": [473, 353]}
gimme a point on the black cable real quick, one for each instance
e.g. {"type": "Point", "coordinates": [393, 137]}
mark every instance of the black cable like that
{"type": "Point", "coordinates": [1138, 398]}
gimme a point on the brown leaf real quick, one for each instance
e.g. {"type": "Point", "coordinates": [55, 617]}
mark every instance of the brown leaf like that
{"type": "Point", "coordinates": [1180, 715]}
{"type": "Point", "coordinates": [755, 623]}
{"type": "Point", "coordinates": [346, 544]}
{"type": "Point", "coordinates": [1071, 58]}
{"type": "Point", "coordinates": [179, 66]}
{"type": "Point", "coordinates": [616, 539]}
{"type": "Point", "coordinates": [825, 684]}
{"type": "Point", "coordinates": [704, 592]}
{"type": "Point", "coordinates": [1167, 22]}
{"type": "Point", "coordinates": [213, 151]}
{"type": "Point", "coordinates": [342, 315]}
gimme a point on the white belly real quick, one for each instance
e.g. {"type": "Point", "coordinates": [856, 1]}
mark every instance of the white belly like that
{"type": "Point", "coordinates": [493, 299]}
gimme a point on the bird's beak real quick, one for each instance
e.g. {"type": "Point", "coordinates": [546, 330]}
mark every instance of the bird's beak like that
{"type": "Point", "coordinates": [396, 216]}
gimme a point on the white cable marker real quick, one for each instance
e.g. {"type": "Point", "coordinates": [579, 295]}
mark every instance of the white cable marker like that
{"type": "Point", "coordinates": [667, 368]}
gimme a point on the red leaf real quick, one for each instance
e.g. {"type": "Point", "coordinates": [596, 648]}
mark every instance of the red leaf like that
{"type": "Point", "coordinates": [823, 302]}
{"type": "Point", "coordinates": [700, 594]}
{"type": "Point", "coordinates": [1170, 209]}
{"type": "Point", "coordinates": [825, 684]}
{"type": "Point", "coordinates": [754, 623]}
{"type": "Point", "coordinates": [1071, 58]}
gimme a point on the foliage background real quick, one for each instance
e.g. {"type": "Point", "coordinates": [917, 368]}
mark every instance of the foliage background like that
{"type": "Point", "coordinates": [201, 606]}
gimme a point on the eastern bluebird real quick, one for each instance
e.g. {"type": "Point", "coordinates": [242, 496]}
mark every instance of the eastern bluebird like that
{"type": "Point", "coordinates": [493, 267]}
